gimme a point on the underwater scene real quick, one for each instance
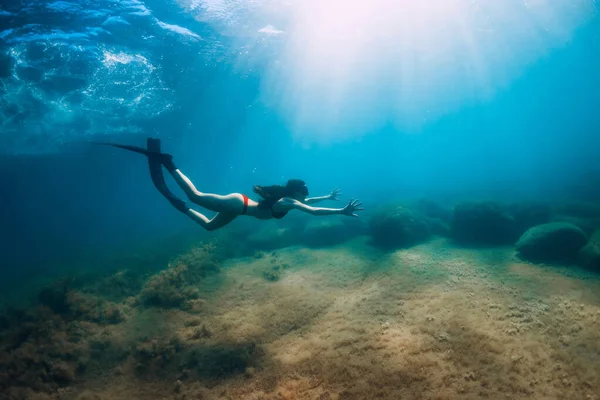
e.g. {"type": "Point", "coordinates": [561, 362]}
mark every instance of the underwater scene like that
{"type": "Point", "coordinates": [299, 199]}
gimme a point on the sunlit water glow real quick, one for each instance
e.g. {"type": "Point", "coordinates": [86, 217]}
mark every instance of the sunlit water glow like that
{"type": "Point", "coordinates": [348, 68]}
{"type": "Point", "coordinates": [329, 70]}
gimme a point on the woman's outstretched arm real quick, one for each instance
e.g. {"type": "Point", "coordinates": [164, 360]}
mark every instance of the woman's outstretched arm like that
{"type": "Point", "coordinates": [349, 210]}
{"type": "Point", "coordinates": [331, 196]}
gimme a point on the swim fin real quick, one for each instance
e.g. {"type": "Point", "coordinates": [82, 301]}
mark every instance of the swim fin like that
{"type": "Point", "coordinates": [136, 149]}
{"type": "Point", "coordinates": [156, 160]}
{"type": "Point", "coordinates": [158, 178]}
{"type": "Point", "coordinates": [153, 151]}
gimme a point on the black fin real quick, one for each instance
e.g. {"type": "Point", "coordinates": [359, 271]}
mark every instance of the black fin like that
{"type": "Point", "coordinates": [156, 172]}
{"type": "Point", "coordinates": [153, 145]}
{"type": "Point", "coordinates": [135, 149]}
{"type": "Point", "coordinates": [155, 164]}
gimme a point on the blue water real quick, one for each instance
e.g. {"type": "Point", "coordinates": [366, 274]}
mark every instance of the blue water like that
{"type": "Point", "coordinates": [246, 93]}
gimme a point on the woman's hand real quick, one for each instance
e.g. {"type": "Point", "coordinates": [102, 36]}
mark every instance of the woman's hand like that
{"type": "Point", "coordinates": [352, 206]}
{"type": "Point", "coordinates": [334, 194]}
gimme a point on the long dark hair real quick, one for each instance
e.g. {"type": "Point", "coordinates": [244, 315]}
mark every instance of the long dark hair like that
{"type": "Point", "coordinates": [272, 194]}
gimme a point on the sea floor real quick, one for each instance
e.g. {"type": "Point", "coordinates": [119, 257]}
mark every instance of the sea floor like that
{"type": "Point", "coordinates": [350, 322]}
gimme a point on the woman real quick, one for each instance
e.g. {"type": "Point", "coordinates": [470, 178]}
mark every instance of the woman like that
{"type": "Point", "coordinates": [276, 200]}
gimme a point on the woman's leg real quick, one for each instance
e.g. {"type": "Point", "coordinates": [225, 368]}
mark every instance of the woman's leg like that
{"type": "Point", "coordinates": [228, 207]}
{"type": "Point", "coordinates": [230, 204]}
{"type": "Point", "coordinates": [218, 221]}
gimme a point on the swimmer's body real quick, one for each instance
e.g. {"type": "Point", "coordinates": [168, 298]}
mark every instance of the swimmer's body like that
{"type": "Point", "coordinates": [276, 200]}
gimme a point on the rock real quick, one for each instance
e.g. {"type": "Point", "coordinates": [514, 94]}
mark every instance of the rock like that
{"type": "Point", "coordinates": [586, 225]}
{"type": "Point", "coordinates": [589, 255]}
{"type": "Point", "coordinates": [552, 242]}
{"type": "Point", "coordinates": [331, 231]}
{"type": "Point", "coordinates": [71, 304]}
{"type": "Point", "coordinates": [170, 288]}
{"type": "Point", "coordinates": [398, 227]}
{"type": "Point", "coordinates": [483, 223]}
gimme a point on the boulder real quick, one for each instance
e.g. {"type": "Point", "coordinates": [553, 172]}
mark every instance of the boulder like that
{"type": "Point", "coordinates": [589, 255]}
{"type": "Point", "coordinates": [552, 242]}
{"type": "Point", "coordinates": [483, 223]}
{"type": "Point", "coordinates": [398, 227]}
{"type": "Point", "coordinates": [586, 225]}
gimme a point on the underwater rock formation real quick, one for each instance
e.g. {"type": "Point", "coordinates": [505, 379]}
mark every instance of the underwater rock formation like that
{"type": "Point", "coordinates": [398, 227]}
{"type": "Point", "coordinates": [437, 216]}
{"type": "Point", "coordinates": [70, 334]}
{"type": "Point", "coordinates": [589, 255]}
{"type": "Point", "coordinates": [44, 349]}
{"type": "Point", "coordinates": [483, 223]}
{"type": "Point", "coordinates": [552, 242]}
{"type": "Point", "coordinates": [70, 304]}
{"type": "Point", "coordinates": [173, 287]}
{"type": "Point", "coordinates": [169, 289]}
{"type": "Point", "coordinates": [586, 225]}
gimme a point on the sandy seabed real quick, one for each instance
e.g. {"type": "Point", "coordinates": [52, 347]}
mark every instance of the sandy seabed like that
{"type": "Point", "coordinates": [350, 322]}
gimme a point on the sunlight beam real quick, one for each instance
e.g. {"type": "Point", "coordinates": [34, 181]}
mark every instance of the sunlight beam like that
{"type": "Point", "coordinates": [349, 68]}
